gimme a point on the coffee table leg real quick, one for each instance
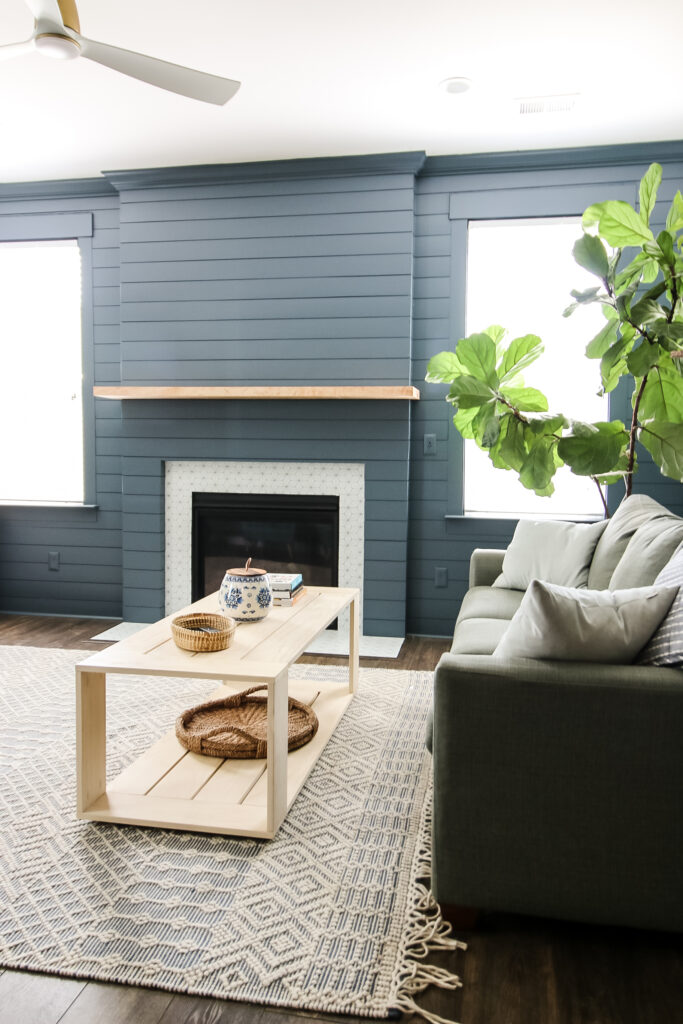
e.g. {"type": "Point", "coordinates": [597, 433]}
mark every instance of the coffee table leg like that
{"type": "Point", "coordinates": [276, 766]}
{"type": "Point", "coordinates": [354, 643]}
{"type": "Point", "coordinates": [91, 738]}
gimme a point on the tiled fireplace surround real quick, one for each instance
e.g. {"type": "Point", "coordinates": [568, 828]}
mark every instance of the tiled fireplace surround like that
{"type": "Point", "coordinates": [183, 479]}
{"type": "Point", "coordinates": [356, 449]}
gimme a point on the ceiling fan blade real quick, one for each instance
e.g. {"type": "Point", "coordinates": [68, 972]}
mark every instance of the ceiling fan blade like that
{"type": "Point", "coordinates": [45, 10]}
{"type": "Point", "coordinates": [16, 49]}
{"type": "Point", "coordinates": [196, 84]}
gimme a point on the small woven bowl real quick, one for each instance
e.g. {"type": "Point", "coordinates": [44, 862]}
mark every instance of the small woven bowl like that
{"type": "Point", "coordinates": [189, 639]}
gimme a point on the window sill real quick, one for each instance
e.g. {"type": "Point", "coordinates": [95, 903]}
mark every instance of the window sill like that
{"type": "Point", "coordinates": [514, 516]}
{"type": "Point", "coordinates": [11, 503]}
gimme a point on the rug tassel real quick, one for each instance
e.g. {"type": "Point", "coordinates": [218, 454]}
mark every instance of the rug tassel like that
{"type": "Point", "coordinates": [425, 933]}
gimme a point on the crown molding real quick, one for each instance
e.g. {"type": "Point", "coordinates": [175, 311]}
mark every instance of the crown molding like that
{"type": "Point", "coordinates": [554, 159]}
{"type": "Point", "coordinates": [314, 167]}
{"type": "Point", "coordinates": [66, 188]}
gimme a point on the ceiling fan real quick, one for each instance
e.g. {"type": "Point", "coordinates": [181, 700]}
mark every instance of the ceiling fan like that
{"type": "Point", "coordinates": [57, 33]}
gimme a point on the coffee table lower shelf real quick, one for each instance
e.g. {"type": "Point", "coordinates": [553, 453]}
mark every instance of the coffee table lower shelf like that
{"type": "Point", "coordinates": [169, 787]}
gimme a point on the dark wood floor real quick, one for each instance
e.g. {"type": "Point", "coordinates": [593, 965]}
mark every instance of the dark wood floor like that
{"type": "Point", "coordinates": [517, 970]}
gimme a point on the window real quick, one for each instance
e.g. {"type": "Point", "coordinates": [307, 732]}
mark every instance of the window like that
{"type": "Point", "coordinates": [519, 275]}
{"type": "Point", "coordinates": [41, 412]}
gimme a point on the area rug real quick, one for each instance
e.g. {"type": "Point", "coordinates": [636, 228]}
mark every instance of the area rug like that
{"type": "Point", "coordinates": [330, 915]}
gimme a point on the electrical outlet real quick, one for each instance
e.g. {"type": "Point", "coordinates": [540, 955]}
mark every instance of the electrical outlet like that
{"type": "Point", "coordinates": [53, 560]}
{"type": "Point", "coordinates": [440, 576]}
{"type": "Point", "coordinates": [430, 444]}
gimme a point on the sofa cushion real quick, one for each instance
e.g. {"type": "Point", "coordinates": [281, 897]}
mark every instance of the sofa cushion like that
{"type": "Point", "coordinates": [478, 636]}
{"type": "Point", "coordinates": [649, 550]}
{"type": "Point", "coordinates": [634, 512]}
{"type": "Point", "coordinates": [665, 647]}
{"type": "Point", "coordinates": [489, 603]}
{"type": "Point", "coordinates": [574, 624]}
{"type": "Point", "coordinates": [551, 550]}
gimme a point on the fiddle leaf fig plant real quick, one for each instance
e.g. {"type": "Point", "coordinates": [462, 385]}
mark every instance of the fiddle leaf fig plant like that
{"type": "Point", "coordinates": [639, 287]}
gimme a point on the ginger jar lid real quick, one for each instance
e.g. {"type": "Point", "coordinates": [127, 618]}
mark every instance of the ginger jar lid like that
{"type": "Point", "coordinates": [247, 571]}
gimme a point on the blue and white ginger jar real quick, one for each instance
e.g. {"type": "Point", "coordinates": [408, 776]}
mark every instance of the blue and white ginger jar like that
{"type": "Point", "coordinates": [245, 594]}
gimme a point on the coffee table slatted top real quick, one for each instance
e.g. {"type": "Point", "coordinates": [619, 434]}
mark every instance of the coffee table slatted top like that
{"type": "Point", "coordinates": [259, 651]}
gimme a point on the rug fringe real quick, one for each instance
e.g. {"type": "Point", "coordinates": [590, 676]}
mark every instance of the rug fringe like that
{"type": "Point", "coordinates": [426, 932]}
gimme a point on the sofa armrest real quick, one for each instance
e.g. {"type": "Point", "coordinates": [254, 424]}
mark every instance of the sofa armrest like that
{"type": "Point", "coordinates": [558, 789]}
{"type": "Point", "coordinates": [485, 565]}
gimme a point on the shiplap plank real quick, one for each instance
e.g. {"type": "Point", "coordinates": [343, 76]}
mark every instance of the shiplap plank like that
{"type": "Point", "coordinates": [361, 244]}
{"type": "Point", "coordinates": [274, 268]}
{"type": "Point", "coordinates": [198, 209]}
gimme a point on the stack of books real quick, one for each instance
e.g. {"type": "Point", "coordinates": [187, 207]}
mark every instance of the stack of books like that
{"type": "Point", "coordinates": [287, 588]}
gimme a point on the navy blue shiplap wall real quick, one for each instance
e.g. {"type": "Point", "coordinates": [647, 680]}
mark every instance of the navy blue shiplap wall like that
{"type": "Point", "coordinates": [89, 540]}
{"type": "Point", "coordinates": [435, 539]}
{"type": "Point", "coordinates": [330, 271]}
{"type": "Point", "coordinates": [290, 281]}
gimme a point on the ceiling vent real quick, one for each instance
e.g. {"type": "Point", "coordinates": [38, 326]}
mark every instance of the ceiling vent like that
{"type": "Point", "coordinates": [546, 104]}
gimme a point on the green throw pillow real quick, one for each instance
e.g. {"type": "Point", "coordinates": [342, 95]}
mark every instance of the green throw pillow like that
{"type": "Point", "coordinates": [571, 624]}
{"type": "Point", "coordinates": [550, 550]}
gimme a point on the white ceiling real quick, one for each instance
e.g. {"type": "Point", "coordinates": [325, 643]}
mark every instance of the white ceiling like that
{"type": "Point", "coordinates": [329, 79]}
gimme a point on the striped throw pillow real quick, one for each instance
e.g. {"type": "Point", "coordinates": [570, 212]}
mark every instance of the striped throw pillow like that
{"type": "Point", "coordinates": [665, 646]}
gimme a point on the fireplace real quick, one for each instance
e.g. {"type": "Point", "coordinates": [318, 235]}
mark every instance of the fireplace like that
{"type": "Point", "coordinates": [279, 532]}
{"type": "Point", "coordinates": [341, 484]}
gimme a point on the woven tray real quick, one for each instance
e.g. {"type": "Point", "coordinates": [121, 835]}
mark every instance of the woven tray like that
{"type": "Point", "coordinates": [237, 726]}
{"type": "Point", "coordinates": [185, 630]}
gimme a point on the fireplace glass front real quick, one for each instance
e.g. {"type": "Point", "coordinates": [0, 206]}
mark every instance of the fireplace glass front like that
{"type": "Point", "coordinates": [279, 532]}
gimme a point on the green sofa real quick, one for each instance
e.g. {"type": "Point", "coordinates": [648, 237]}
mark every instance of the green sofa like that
{"type": "Point", "coordinates": [558, 786]}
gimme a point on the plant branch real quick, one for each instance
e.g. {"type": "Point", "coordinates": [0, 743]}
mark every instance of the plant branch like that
{"type": "Point", "coordinates": [632, 437]}
{"type": "Point", "coordinates": [602, 495]}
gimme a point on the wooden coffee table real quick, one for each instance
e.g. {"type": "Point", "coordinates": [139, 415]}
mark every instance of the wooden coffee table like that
{"type": "Point", "coordinates": [168, 787]}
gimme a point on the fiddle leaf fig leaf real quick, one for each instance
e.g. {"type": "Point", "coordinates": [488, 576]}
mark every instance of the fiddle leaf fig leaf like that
{"type": "Point", "coordinates": [662, 397]}
{"type": "Point", "coordinates": [596, 348]}
{"type": "Point", "coordinates": [486, 425]}
{"type": "Point", "coordinates": [462, 421]}
{"type": "Point", "coordinates": [443, 367]}
{"type": "Point", "coordinates": [674, 218]}
{"type": "Point", "coordinates": [650, 271]}
{"type": "Point", "coordinates": [520, 353]}
{"type": "Point", "coordinates": [593, 451]}
{"type": "Point", "coordinates": [664, 441]}
{"type": "Point", "coordinates": [496, 333]}
{"type": "Point", "coordinates": [641, 360]}
{"type": "Point", "coordinates": [649, 186]}
{"type": "Point", "coordinates": [467, 391]}
{"type": "Point", "coordinates": [538, 467]}
{"type": "Point", "coordinates": [618, 471]}
{"type": "Point", "coordinates": [619, 224]}
{"type": "Point", "coordinates": [526, 399]}
{"type": "Point", "coordinates": [510, 450]}
{"type": "Point", "coordinates": [477, 353]}
{"type": "Point", "coordinates": [666, 247]}
{"type": "Point", "coordinates": [613, 363]}
{"type": "Point", "coordinates": [550, 423]}
{"type": "Point", "coordinates": [590, 253]}
{"type": "Point", "coordinates": [587, 295]}
{"type": "Point", "coordinates": [646, 311]}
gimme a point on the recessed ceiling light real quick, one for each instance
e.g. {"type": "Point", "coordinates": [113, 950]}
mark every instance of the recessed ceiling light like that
{"type": "Point", "coordinates": [455, 86]}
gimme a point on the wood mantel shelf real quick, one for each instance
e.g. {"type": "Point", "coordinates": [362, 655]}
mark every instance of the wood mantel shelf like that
{"type": "Point", "coordinates": [374, 391]}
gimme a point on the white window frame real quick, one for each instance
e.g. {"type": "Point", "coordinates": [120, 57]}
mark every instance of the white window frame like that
{"type": "Point", "coordinates": [51, 227]}
{"type": "Point", "coordinates": [501, 201]}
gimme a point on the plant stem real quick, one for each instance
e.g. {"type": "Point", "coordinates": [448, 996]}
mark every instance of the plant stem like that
{"type": "Point", "coordinates": [632, 437]}
{"type": "Point", "coordinates": [602, 495]}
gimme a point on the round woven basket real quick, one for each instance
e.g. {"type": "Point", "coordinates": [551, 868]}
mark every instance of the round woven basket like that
{"type": "Point", "coordinates": [187, 631]}
{"type": "Point", "coordinates": [237, 726]}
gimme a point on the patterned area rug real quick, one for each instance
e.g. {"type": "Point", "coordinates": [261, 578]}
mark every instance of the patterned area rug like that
{"type": "Point", "coordinates": [327, 916]}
